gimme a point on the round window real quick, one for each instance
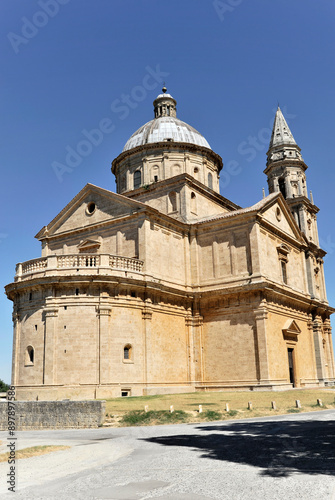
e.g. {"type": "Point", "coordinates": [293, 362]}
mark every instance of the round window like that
{"type": "Point", "coordinates": [90, 208]}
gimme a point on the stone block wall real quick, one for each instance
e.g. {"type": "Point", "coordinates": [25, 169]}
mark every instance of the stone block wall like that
{"type": "Point", "coordinates": [30, 415]}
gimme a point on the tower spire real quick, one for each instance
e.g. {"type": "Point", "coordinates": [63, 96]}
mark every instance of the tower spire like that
{"type": "Point", "coordinates": [286, 173]}
{"type": "Point", "coordinates": [281, 133]}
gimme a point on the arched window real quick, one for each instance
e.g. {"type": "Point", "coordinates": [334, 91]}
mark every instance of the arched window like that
{"type": "Point", "coordinates": [155, 173]}
{"type": "Point", "coordinates": [127, 352]}
{"type": "Point", "coordinates": [172, 201]}
{"type": "Point", "coordinates": [193, 203]}
{"type": "Point", "coordinates": [210, 180]}
{"type": "Point", "coordinates": [282, 186]}
{"type": "Point", "coordinates": [137, 179]}
{"type": "Point", "coordinates": [29, 355]}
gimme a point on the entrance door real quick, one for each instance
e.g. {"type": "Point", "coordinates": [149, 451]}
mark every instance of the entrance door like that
{"type": "Point", "coordinates": [291, 365]}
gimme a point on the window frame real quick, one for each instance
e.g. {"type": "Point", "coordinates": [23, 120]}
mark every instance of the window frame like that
{"type": "Point", "coordinates": [130, 359]}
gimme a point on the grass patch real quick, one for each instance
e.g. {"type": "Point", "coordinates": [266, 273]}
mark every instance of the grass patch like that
{"type": "Point", "coordinates": [293, 410]}
{"type": "Point", "coordinates": [137, 417]}
{"type": "Point", "coordinates": [232, 413]}
{"type": "Point", "coordinates": [212, 415]}
{"type": "Point", "coordinates": [34, 451]}
{"type": "Point", "coordinates": [119, 408]}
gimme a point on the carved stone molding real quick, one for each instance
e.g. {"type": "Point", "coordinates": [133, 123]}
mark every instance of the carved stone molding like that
{"type": "Point", "coordinates": [51, 312]}
{"type": "Point", "coordinates": [104, 310]}
{"type": "Point", "coordinates": [261, 313]}
{"type": "Point", "coordinates": [147, 313]}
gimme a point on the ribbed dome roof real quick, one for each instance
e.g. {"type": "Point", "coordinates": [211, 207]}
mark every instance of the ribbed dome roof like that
{"type": "Point", "coordinates": [165, 127]}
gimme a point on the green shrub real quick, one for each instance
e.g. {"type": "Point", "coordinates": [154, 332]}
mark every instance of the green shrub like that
{"type": "Point", "coordinates": [3, 386]}
{"type": "Point", "coordinates": [232, 413]}
{"type": "Point", "coordinates": [212, 415]}
{"type": "Point", "coordinates": [140, 417]}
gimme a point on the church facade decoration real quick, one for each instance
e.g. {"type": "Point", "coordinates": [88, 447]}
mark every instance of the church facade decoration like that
{"type": "Point", "coordinates": [166, 286]}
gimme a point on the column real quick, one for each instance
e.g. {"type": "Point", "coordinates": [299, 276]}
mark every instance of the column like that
{"type": "Point", "coordinates": [261, 315]}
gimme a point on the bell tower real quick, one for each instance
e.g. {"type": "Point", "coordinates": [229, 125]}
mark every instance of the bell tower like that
{"type": "Point", "coordinates": [286, 172]}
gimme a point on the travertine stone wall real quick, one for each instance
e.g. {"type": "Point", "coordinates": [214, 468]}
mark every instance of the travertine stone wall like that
{"type": "Point", "coordinates": [54, 414]}
{"type": "Point", "coordinates": [164, 164]}
{"type": "Point", "coordinates": [303, 346]}
{"type": "Point", "coordinates": [228, 337]}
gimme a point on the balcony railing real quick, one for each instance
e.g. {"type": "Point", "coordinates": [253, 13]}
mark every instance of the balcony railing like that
{"type": "Point", "coordinates": [58, 263]}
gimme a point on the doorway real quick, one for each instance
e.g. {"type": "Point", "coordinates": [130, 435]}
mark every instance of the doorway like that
{"type": "Point", "coordinates": [291, 365]}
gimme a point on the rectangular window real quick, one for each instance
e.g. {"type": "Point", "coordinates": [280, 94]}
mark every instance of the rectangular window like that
{"type": "Point", "coordinates": [284, 271]}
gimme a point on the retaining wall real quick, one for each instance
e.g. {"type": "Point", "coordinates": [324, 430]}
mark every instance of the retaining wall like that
{"type": "Point", "coordinates": [31, 415]}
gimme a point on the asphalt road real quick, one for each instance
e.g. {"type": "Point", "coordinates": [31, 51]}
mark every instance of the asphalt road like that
{"type": "Point", "coordinates": [279, 458]}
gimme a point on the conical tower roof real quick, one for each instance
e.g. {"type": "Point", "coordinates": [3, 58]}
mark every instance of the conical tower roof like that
{"type": "Point", "coordinates": [281, 134]}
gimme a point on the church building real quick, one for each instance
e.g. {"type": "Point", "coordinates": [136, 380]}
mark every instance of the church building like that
{"type": "Point", "coordinates": [166, 286]}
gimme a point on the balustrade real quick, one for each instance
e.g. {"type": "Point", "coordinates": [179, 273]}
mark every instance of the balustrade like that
{"type": "Point", "coordinates": [78, 261]}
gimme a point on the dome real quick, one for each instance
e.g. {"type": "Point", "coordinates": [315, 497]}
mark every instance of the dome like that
{"type": "Point", "coordinates": [165, 126]}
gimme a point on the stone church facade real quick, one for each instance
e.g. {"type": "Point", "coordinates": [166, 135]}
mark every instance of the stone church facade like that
{"type": "Point", "coordinates": [166, 286]}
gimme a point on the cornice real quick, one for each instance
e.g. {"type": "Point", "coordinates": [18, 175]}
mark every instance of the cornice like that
{"type": "Point", "coordinates": [166, 146]}
{"type": "Point", "coordinates": [285, 162]}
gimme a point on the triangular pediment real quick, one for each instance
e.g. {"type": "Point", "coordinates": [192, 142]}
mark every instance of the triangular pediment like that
{"type": "Point", "coordinates": [291, 330]}
{"type": "Point", "coordinates": [90, 207]}
{"type": "Point", "coordinates": [278, 215]}
{"type": "Point", "coordinates": [89, 245]}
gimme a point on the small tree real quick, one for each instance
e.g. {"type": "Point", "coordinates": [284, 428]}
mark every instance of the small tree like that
{"type": "Point", "coordinates": [3, 386]}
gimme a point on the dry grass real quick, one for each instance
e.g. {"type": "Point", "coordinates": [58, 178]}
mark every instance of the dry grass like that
{"type": "Point", "coordinates": [116, 408]}
{"type": "Point", "coordinates": [34, 451]}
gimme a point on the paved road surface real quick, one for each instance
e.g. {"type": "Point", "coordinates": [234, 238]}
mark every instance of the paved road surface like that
{"type": "Point", "coordinates": [279, 458]}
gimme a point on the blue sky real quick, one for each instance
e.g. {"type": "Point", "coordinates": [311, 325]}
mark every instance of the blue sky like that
{"type": "Point", "coordinates": [68, 66]}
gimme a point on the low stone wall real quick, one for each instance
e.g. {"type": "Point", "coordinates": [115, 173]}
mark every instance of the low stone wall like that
{"type": "Point", "coordinates": [31, 415]}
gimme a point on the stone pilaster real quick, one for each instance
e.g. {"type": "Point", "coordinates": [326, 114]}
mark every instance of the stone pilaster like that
{"type": "Point", "coordinates": [16, 348]}
{"type": "Point", "coordinates": [319, 352]}
{"type": "Point", "coordinates": [143, 239]}
{"type": "Point", "coordinates": [190, 346]}
{"type": "Point", "coordinates": [199, 361]}
{"type": "Point", "coordinates": [194, 258]}
{"type": "Point", "coordinates": [50, 345]}
{"type": "Point", "coordinates": [146, 334]}
{"type": "Point", "coordinates": [261, 315]}
{"type": "Point", "coordinates": [104, 312]}
{"type": "Point", "coordinates": [310, 274]}
{"type": "Point", "coordinates": [187, 259]}
{"type": "Point", "coordinates": [330, 352]}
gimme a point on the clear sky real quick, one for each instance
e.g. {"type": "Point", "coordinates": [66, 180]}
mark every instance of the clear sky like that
{"type": "Point", "coordinates": [71, 66]}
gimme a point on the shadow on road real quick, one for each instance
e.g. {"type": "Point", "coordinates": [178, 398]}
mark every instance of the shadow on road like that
{"type": "Point", "coordinates": [279, 448]}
